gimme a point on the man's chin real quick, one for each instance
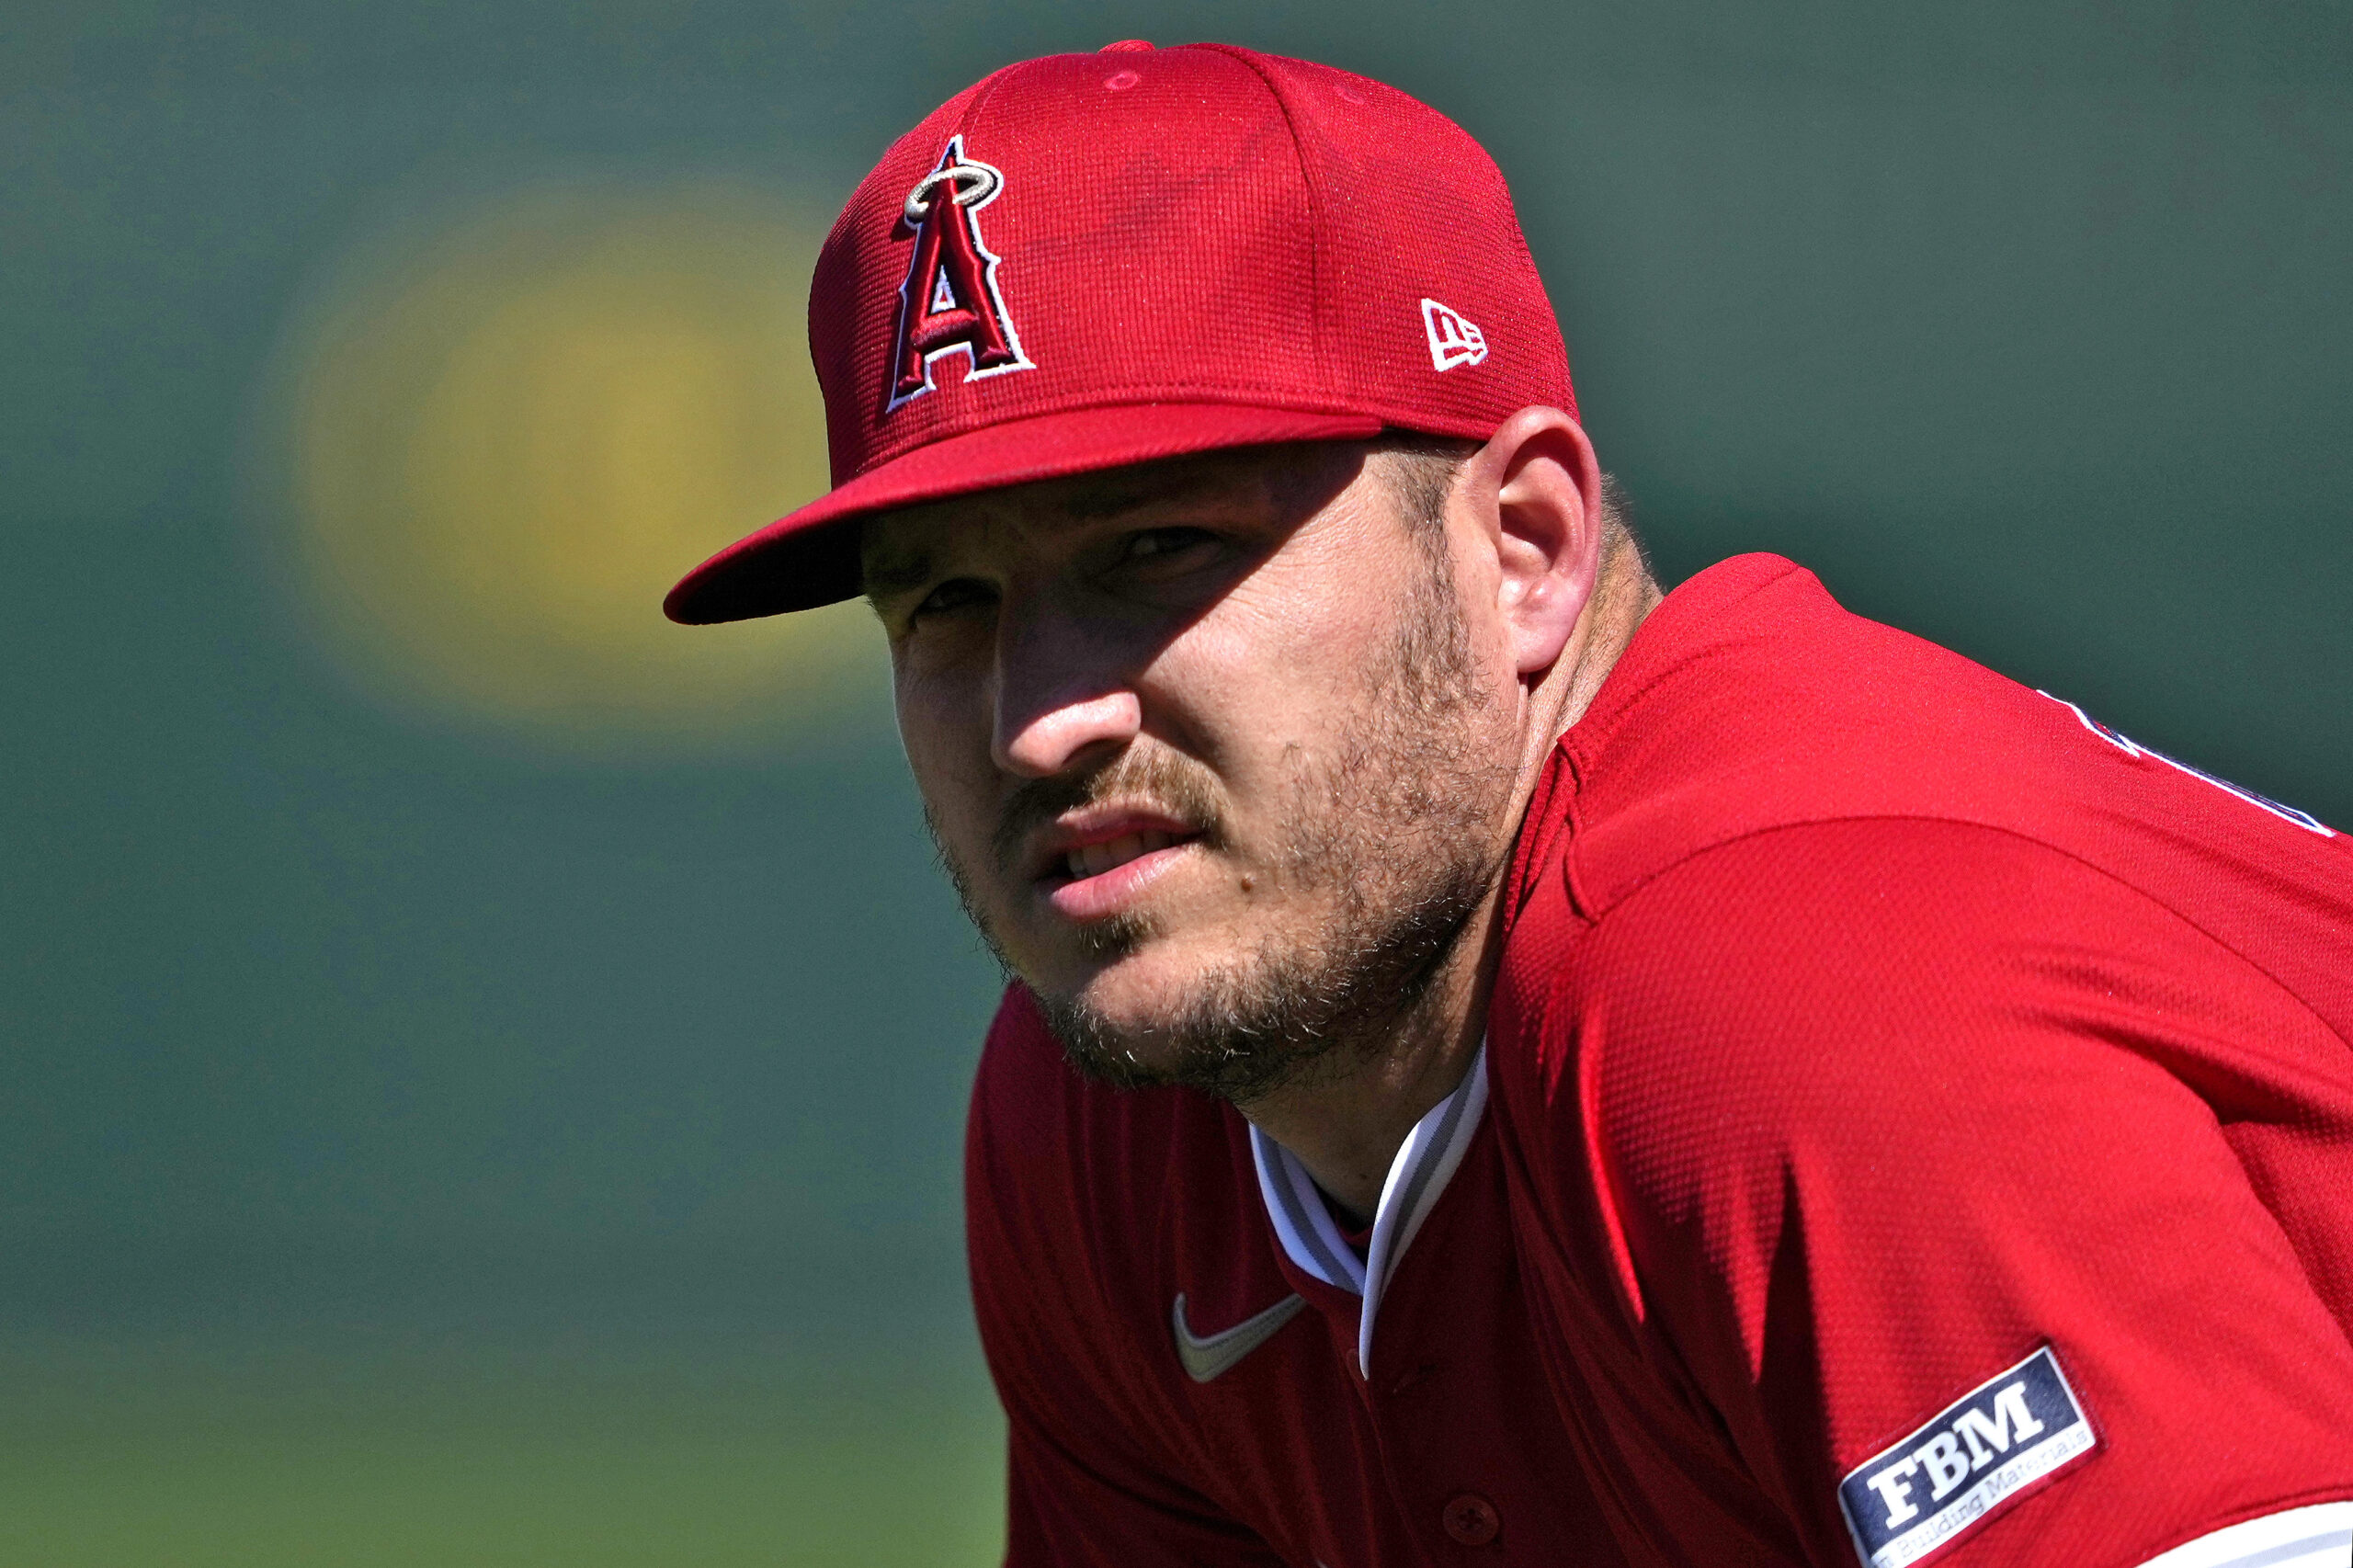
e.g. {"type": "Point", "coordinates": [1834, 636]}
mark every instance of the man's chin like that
{"type": "Point", "coordinates": [1126, 1017]}
{"type": "Point", "coordinates": [1124, 1052]}
{"type": "Point", "coordinates": [1134, 990]}
{"type": "Point", "coordinates": [1145, 1022]}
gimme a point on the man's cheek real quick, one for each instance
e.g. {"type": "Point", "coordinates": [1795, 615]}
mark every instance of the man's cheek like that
{"type": "Point", "coordinates": [952, 771]}
{"type": "Point", "coordinates": [941, 703]}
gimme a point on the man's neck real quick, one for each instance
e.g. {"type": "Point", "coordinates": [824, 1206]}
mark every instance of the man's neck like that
{"type": "Point", "coordinates": [1347, 1128]}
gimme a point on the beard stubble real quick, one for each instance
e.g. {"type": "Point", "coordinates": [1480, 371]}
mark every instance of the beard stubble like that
{"type": "Point", "coordinates": [1398, 830]}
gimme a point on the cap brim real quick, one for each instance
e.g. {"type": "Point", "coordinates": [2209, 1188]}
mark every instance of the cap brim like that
{"type": "Point", "coordinates": [810, 557]}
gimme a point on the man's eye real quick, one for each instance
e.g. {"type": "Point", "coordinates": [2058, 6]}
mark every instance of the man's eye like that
{"type": "Point", "coordinates": [1157, 544]}
{"type": "Point", "coordinates": [957, 593]}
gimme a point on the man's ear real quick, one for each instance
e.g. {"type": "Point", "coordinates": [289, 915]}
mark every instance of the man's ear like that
{"type": "Point", "coordinates": [1536, 490]}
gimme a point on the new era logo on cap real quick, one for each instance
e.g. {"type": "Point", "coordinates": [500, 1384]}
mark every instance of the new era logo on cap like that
{"type": "Point", "coordinates": [1453, 341]}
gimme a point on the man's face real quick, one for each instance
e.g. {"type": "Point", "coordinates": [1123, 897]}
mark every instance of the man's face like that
{"type": "Point", "coordinates": [1216, 750]}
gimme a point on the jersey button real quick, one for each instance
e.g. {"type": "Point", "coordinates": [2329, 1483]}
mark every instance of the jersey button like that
{"type": "Point", "coordinates": [1471, 1520]}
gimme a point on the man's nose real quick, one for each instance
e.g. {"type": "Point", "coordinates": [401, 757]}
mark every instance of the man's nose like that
{"type": "Point", "coordinates": [1061, 702]}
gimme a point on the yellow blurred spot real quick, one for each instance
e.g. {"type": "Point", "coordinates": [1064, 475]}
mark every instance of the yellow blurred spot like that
{"type": "Point", "coordinates": [506, 446]}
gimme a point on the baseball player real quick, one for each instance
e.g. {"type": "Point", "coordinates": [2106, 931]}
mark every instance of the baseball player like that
{"type": "Point", "coordinates": [1500, 1067]}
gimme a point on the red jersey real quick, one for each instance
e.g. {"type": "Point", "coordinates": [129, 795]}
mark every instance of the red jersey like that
{"type": "Point", "coordinates": [1915, 1123]}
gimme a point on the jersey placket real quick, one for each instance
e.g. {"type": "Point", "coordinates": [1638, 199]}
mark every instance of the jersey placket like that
{"type": "Point", "coordinates": [1417, 1175]}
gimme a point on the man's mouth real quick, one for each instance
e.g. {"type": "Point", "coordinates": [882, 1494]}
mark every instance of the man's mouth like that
{"type": "Point", "coordinates": [1094, 859]}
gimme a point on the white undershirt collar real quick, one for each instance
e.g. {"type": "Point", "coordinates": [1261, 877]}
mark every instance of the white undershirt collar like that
{"type": "Point", "coordinates": [1417, 1175]}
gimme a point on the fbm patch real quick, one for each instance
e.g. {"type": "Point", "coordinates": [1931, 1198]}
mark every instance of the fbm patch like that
{"type": "Point", "coordinates": [1974, 1456]}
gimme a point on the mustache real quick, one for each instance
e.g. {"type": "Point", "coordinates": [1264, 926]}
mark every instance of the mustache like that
{"type": "Point", "coordinates": [1161, 780]}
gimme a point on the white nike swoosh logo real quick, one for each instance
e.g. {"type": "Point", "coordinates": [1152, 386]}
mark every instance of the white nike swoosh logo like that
{"type": "Point", "coordinates": [1206, 1359]}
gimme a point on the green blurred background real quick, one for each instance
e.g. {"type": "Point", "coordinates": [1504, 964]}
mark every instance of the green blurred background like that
{"type": "Point", "coordinates": [484, 1067]}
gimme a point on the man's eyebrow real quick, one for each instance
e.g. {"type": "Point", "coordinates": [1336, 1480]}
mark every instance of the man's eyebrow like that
{"type": "Point", "coordinates": [1116, 494]}
{"type": "Point", "coordinates": [1102, 500]}
{"type": "Point", "coordinates": [897, 573]}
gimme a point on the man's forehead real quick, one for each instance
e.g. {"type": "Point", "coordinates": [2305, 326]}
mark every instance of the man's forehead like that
{"type": "Point", "coordinates": [1282, 478]}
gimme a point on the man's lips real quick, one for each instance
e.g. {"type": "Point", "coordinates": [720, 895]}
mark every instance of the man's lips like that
{"type": "Point", "coordinates": [1090, 861]}
{"type": "Point", "coordinates": [1094, 859]}
{"type": "Point", "coordinates": [1095, 839]}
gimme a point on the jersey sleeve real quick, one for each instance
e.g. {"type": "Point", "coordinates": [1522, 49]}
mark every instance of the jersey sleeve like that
{"type": "Point", "coordinates": [1065, 1512]}
{"type": "Point", "coordinates": [1082, 1490]}
{"type": "Point", "coordinates": [1946, 1167]}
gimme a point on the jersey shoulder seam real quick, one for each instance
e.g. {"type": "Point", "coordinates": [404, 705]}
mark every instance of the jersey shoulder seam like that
{"type": "Point", "coordinates": [2143, 894]}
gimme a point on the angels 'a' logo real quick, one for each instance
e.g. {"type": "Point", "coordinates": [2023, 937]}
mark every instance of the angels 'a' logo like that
{"type": "Point", "coordinates": [948, 302]}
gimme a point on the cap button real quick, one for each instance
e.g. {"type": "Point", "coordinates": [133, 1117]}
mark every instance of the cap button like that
{"type": "Point", "coordinates": [1127, 46]}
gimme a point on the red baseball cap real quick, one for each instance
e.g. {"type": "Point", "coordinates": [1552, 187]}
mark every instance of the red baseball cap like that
{"type": "Point", "coordinates": [1091, 260]}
